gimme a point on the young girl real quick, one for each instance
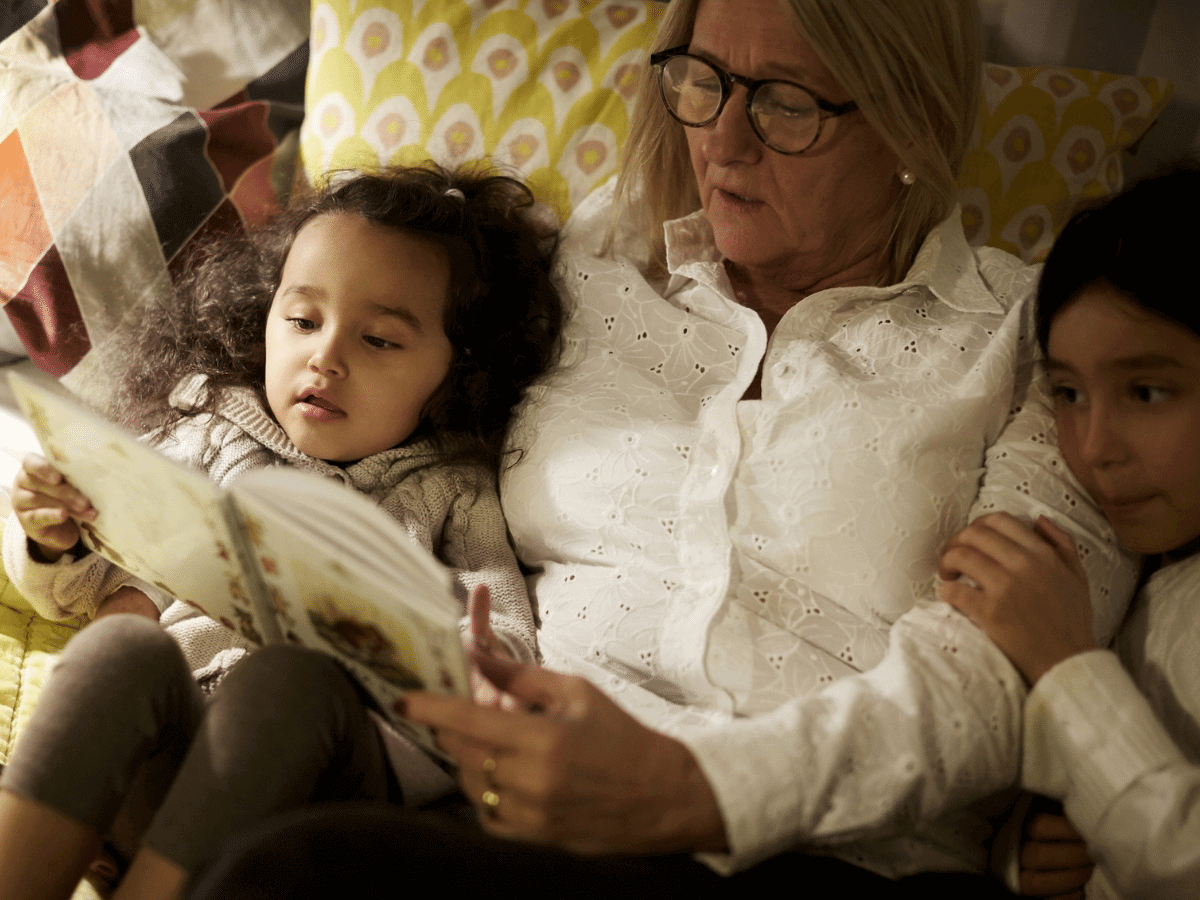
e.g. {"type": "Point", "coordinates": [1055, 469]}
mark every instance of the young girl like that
{"type": "Point", "coordinates": [379, 333]}
{"type": "Point", "coordinates": [1115, 735]}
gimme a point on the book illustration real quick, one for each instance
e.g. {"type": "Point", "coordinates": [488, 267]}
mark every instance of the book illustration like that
{"type": "Point", "coordinates": [94, 538]}
{"type": "Point", "coordinates": [254, 531]}
{"type": "Point", "coordinates": [362, 642]}
{"type": "Point", "coordinates": [281, 610]}
{"type": "Point", "coordinates": [350, 624]}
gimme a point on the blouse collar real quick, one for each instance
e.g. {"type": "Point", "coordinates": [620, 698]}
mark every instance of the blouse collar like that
{"type": "Point", "coordinates": [945, 264]}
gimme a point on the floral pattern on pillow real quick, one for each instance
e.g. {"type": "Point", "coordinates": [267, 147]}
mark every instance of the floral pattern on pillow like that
{"type": "Point", "coordinates": [545, 87]}
{"type": "Point", "coordinates": [1048, 140]}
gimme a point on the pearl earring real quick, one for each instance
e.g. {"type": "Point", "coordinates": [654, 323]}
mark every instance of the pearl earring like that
{"type": "Point", "coordinates": [907, 177]}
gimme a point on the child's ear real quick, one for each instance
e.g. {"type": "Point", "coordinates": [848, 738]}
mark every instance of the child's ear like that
{"type": "Point", "coordinates": [438, 400]}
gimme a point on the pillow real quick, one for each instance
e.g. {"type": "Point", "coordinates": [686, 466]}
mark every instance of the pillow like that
{"type": "Point", "coordinates": [544, 86]}
{"type": "Point", "coordinates": [127, 129]}
{"type": "Point", "coordinates": [1049, 139]}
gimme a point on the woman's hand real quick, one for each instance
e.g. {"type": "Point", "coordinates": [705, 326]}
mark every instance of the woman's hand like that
{"type": "Point", "coordinates": [1030, 591]}
{"type": "Point", "coordinates": [48, 508]}
{"type": "Point", "coordinates": [481, 642]}
{"type": "Point", "coordinates": [570, 768]}
{"type": "Point", "coordinates": [1054, 858]}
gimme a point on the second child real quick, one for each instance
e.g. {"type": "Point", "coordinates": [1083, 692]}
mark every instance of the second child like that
{"type": "Point", "coordinates": [1113, 734]}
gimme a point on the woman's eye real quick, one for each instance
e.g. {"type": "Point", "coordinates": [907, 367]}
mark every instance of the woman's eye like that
{"type": "Point", "coordinates": [775, 108]}
{"type": "Point", "coordinates": [707, 87]}
{"type": "Point", "coordinates": [1146, 393]}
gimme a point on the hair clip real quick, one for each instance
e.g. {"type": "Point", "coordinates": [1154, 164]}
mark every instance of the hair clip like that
{"type": "Point", "coordinates": [456, 193]}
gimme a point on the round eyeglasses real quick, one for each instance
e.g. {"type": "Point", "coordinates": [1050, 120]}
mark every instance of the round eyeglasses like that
{"type": "Point", "coordinates": [786, 117]}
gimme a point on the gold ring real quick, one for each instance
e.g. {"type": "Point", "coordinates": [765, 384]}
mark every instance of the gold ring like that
{"type": "Point", "coordinates": [489, 766]}
{"type": "Point", "coordinates": [490, 801]}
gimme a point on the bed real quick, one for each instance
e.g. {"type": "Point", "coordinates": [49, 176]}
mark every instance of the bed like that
{"type": "Point", "coordinates": [129, 131]}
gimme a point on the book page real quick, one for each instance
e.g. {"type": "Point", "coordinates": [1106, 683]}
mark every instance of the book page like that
{"type": "Point", "coordinates": [157, 519]}
{"type": "Point", "coordinates": [345, 578]}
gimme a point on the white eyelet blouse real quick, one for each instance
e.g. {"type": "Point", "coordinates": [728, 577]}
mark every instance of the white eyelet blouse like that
{"type": "Point", "coordinates": [756, 578]}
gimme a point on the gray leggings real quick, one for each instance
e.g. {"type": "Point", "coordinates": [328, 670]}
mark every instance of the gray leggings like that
{"type": "Point", "coordinates": [123, 741]}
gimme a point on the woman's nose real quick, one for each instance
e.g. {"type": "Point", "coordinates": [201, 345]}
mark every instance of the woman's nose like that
{"type": "Point", "coordinates": [731, 138]}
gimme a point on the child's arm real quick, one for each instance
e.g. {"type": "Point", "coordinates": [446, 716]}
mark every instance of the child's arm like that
{"type": "Point", "coordinates": [1091, 738]}
{"type": "Point", "coordinates": [1027, 590]}
{"type": "Point", "coordinates": [48, 507]}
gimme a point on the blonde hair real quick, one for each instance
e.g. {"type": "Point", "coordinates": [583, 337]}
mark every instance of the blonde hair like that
{"type": "Point", "coordinates": [914, 68]}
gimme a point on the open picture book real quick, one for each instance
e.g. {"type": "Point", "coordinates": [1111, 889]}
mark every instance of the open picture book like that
{"type": "Point", "coordinates": [281, 555]}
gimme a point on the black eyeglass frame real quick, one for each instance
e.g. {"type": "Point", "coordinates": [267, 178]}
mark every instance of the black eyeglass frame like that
{"type": "Point", "coordinates": [825, 108]}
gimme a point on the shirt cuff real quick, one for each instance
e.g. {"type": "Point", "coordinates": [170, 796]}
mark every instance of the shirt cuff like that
{"type": "Point", "coordinates": [743, 808]}
{"type": "Point", "coordinates": [1089, 733]}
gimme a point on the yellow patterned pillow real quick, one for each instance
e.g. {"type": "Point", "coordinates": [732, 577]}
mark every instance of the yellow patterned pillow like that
{"type": "Point", "coordinates": [543, 86]}
{"type": "Point", "coordinates": [546, 87]}
{"type": "Point", "coordinates": [1049, 138]}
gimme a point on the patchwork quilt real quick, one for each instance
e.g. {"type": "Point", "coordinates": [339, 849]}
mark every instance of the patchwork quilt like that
{"type": "Point", "coordinates": [127, 131]}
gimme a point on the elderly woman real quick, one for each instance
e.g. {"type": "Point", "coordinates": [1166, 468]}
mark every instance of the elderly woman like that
{"type": "Point", "coordinates": [792, 381]}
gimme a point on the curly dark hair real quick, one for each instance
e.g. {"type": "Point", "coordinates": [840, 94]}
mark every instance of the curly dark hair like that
{"type": "Point", "coordinates": [503, 315]}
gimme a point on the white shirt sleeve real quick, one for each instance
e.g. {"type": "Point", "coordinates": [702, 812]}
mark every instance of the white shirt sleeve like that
{"type": "Point", "coordinates": [1092, 739]}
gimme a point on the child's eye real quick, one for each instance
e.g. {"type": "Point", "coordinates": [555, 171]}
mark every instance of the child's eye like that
{"type": "Point", "coordinates": [1147, 393]}
{"type": "Point", "coordinates": [380, 343]}
{"type": "Point", "coordinates": [301, 324]}
{"type": "Point", "coordinates": [1067, 395]}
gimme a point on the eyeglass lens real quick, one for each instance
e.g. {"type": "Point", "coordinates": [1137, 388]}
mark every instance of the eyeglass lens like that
{"type": "Point", "coordinates": [785, 115]}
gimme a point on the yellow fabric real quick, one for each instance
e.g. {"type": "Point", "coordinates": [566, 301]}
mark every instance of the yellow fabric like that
{"type": "Point", "coordinates": [28, 644]}
{"type": "Point", "coordinates": [544, 86]}
{"type": "Point", "coordinates": [1048, 139]}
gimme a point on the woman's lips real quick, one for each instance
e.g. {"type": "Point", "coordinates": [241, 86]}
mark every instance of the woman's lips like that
{"type": "Point", "coordinates": [735, 200]}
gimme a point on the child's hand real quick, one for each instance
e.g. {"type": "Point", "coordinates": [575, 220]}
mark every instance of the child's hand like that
{"type": "Point", "coordinates": [1030, 592]}
{"type": "Point", "coordinates": [48, 507]}
{"type": "Point", "coordinates": [127, 599]}
{"type": "Point", "coordinates": [481, 642]}
{"type": "Point", "coordinates": [1054, 857]}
